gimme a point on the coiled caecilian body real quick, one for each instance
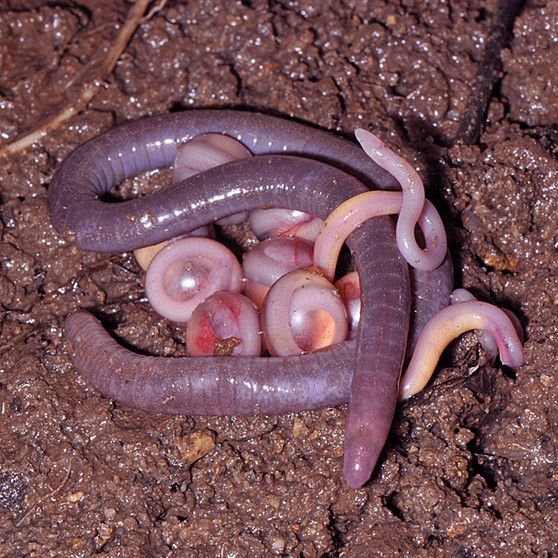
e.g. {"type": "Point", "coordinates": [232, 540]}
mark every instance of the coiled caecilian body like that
{"type": "Point", "coordinates": [307, 179]}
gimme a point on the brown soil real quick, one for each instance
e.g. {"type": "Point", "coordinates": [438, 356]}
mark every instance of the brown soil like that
{"type": "Point", "coordinates": [471, 466]}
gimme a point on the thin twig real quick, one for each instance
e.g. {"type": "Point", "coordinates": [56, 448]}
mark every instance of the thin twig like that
{"type": "Point", "coordinates": [488, 72]}
{"type": "Point", "coordinates": [157, 8]}
{"type": "Point", "coordinates": [89, 90]}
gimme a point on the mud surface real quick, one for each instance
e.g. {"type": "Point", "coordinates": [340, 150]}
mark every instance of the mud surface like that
{"type": "Point", "coordinates": [471, 466]}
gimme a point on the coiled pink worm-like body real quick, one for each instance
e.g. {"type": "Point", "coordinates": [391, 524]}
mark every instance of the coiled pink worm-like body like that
{"type": "Point", "coordinates": [224, 323]}
{"type": "Point", "coordinates": [271, 259]}
{"type": "Point", "coordinates": [187, 271]}
{"type": "Point", "coordinates": [352, 213]}
{"type": "Point", "coordinates": [412, 205]}
{"type": "Point", "coordinates": [450, 323]}
{"type": "Point", "coordinates": [303, 312]}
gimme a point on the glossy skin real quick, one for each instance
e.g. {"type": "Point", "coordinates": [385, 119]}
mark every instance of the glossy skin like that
{"type": "Point", "coordinates": [451, 322]}
{"type": "Point", "coordinates": [302, 313]}
{"type": "Point", "coordinates": [187, 271]}
{"type": "Point", "coordinates": [93, 168]}
{"type": "Point", "coordinates": [275, 180]}
{"type": "Point", "coordinates": [385, 296]}
{"type": "Point", "coordinates": [233, 385]}
{"type": "Point", "coordinates": [271, 259]}
{"type": "Point", "coordinates": [225, 323]}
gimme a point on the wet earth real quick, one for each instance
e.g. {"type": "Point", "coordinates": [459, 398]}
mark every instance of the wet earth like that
{"type": "Point", "coordinates": [470, 468]}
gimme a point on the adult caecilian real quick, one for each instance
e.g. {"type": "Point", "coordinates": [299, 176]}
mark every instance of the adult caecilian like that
{"type": "Point", "coordinates": [206, 385]}
{"type": "Point", "coordinates": [92, 169]}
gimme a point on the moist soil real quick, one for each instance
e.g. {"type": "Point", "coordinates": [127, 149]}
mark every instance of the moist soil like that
{"type": "Point", "coordinates": [470, 468]}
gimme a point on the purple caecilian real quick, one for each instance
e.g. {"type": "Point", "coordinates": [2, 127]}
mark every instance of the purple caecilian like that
{"type": "Point", "coordinates": [297, 167]}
